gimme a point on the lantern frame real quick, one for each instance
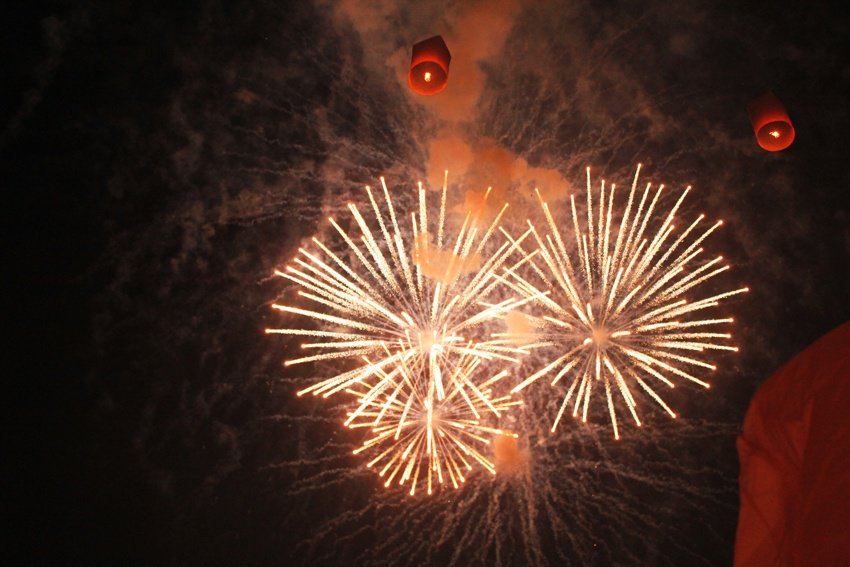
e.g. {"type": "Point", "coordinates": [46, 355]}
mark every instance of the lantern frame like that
{"type": "Point", "coordinates": [429, 66]}
{"type": "Point", "coordinates": [773, 128]}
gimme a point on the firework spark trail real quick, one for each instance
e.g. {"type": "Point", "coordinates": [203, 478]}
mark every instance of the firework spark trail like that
{"type": "Point", "coordinates": [390, 308]}
{"type": "Point", "coordinates": [399, 317]}
{"type": "Point", "coordinates": [415, 430]}
{"type": "Point", "coordinates": [571, 504]}
{"type": "Point", "coordinates": [617, 317]}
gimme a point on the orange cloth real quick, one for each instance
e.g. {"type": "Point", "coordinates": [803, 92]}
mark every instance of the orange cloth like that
{"type": "Point", "coordinates": [795, 462]}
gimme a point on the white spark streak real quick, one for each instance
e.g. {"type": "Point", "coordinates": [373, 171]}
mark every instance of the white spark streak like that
{"type": "Point", "coordinates": [617, 315]}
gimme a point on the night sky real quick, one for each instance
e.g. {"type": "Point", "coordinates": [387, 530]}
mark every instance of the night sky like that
{"type": "Point", "coordinates": [161, 159]}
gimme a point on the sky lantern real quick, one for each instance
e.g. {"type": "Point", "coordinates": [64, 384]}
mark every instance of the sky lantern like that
{"type": "Point", "coordinates": [429, 66]}
{"type": "Point", "coordinates": [795, 461]}
{"type": "Point", "coordinates": [772, 127]}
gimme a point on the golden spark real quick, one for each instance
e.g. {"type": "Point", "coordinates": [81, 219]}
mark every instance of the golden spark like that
{"type": "Point", "coordinates": [614, 310]}
{"type": "Point", "coordinates": [398, 299]}
{"type": "Point", "coordinates": [421, 433]}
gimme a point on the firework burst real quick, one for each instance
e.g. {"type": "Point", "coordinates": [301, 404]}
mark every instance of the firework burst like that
{"type": "Point", "coordinates": [614, 312]}
{"type": "Point", "coordinates": [398, 306]}
{"type": "Point", "coordinates": [419, 432]}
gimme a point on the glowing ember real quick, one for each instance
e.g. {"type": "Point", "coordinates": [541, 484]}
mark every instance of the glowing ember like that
{"type": "Point", "coordinates": [774, 133]}
{"type": "Point", "coordinates": [615, 316]}
{"type": "Point", "coordinates": [427, 77]}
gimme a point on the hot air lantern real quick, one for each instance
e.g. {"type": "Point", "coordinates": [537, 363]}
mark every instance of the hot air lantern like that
{"type": "Point", "coordinates": [429, 66]}
{"type": "Point", "coordinates": [773, 129]}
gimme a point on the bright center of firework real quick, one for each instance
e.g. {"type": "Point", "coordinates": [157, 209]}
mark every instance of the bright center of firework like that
{"type": "Point", "coordinates": [599, 336]}
{"type": "Point", "coordinates": [611, 304]}
{"type": "Point", "coordinates": [427, 77]}
{"type": "Point", "coordinates": [430, 341]}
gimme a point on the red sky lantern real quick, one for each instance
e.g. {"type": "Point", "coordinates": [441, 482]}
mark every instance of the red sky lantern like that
{"type": "Point", "coordinates": [795, 462]}
{"type": "Point", "coordinates": [770, 121]}
{"type": "Point", "coordinates": [429, 66]}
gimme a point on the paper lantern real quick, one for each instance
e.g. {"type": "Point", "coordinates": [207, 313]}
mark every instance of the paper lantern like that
{"type": "Point", "coordinates": [795, 466]}
{"type": "Point", "coordinates": [429, 66]}
{"type": "Point", "coordinates": [772, 127]}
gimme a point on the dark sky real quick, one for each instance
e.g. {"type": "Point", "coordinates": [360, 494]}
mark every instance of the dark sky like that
{"type": "Point", "coordinates": [162, 158]}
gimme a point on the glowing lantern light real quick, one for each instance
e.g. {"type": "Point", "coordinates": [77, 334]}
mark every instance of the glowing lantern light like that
{"type": "Point", "coordinates": [771, 124]}
{"type": "Point", "coordinates": [429, 66]}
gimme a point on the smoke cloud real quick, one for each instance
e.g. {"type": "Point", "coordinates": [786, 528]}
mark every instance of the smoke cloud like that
{"type": "Point", "coordinates": [510, 458]}
{"type": "Point", "coordinates": [476, 34]}
{"type": "Point", "coordinates": [518, 325]}
{"type": "Point", "coordinates": [442, 265]}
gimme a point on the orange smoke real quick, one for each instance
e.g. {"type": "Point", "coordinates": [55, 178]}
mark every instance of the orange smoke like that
{"type": "Point", "coordinates": [518, 325]}
{"type": "Point", "coordinates": [484, 163]}
{"type": "Point", "coordinates": [509, 457]}
{"type": "Point", "coordinates": [442, 265]}
{"type": "Point", "coordinates": [476, 32]}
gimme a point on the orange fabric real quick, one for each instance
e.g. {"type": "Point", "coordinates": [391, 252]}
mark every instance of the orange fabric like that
{"type": "Point", "coordinates": [795, 462]}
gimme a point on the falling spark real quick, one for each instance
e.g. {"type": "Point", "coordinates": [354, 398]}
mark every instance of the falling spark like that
{"type": "Point", "coordinates": [615, 313]}
{"type": "Point", "coordinates": [395, 301]}
{"type": "Point", "coordinates": [419, 435]}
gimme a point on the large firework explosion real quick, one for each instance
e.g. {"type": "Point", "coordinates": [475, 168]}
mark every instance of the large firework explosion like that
{"type": "Point", "coordinates": [416, 428]}
{"type": "Point", "coordinates": [543, 493]}
{"type": "Point", "coordinates": [405, 297]}
{"type": "Point", "coordinates": [409, 315]}
{"type": "Point", "coordinates": [613, 310]}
